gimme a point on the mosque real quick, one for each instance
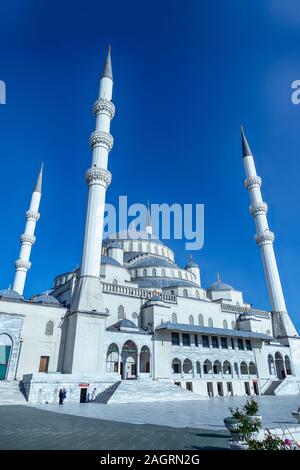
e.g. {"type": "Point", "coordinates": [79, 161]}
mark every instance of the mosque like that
{"type": "Point", "coordinates": [130, 324]}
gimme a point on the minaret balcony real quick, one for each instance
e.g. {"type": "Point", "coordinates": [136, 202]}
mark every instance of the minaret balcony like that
{"type": "Point", "coordinates": [258, 209]}
{"type": "Point", "coordinates": [252, 182]}
{"type": "Point", "coordinates": [265, 238]}
{"type": "Point", "coordinates": [104, 107]}
{"type": "Point", "coordinates": [101, 139]}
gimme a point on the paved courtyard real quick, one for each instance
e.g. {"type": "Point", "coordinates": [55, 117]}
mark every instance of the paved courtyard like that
{"type": "Point", "coordinates": [24, 427]}
{"type": "Point", "coordinates": [204, 414]}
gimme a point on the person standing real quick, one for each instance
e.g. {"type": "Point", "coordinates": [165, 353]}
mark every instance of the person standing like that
{"type": "Point", "coordinates": [61, 396]}
{"type": "Point", "coordinates": [94, 394]}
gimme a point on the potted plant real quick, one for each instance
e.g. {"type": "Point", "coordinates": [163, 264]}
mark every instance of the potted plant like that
{"type": "Point", "coordinates": [232, 422]}
{"type": "Point", "coordinates": [251, 409]}
{"type": "Point", "coordinates": [246, 429]}
{"type": "Point", "coordinates": [296, 414]}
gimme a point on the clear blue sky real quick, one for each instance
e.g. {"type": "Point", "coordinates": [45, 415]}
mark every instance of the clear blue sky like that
{"type": "Point", "coordinates": [187, 74]}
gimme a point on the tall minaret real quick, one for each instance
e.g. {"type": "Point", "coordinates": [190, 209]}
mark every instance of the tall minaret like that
{"type": "Point", "coordinates": [148, 221]}
{"type": "Point", "coordinates": [28, 238]}
{"type": "Point", "coordinates": [88, 294]}
{"type": "Point", "coordinates": [282, 323]}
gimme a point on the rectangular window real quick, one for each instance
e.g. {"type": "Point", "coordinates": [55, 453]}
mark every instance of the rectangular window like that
{"type": "Point", "coordinates": [215, 342]}
{"type": "Point", "coordinates": [175, 339]}
{"type": "Point", "coordinates": [224, 344]}
{"type": "Point", "coordinates": [232, 343]}
{"type": "Point", "coordinates": [196, 340]}
{"type": "Point", "coordinates": [240, 344]}
{"type": "Point", "coordinates": [186, 339]}
{"type": "Point", "coordinates": [205, 341]}
{"type": "Point", "coordinates": [248, 345]}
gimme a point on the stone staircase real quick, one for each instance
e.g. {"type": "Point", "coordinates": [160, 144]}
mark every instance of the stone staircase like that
{"type": "Point", "coordinates": [105, 396]}
{"type": "Point", "coordinates": [10, 393]}
{"type": "Point", "coordinates": [133, 391]}
{"type": "Point", "coordinates": [270, 390]}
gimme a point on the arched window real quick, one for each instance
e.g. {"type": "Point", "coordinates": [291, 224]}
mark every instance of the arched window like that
{"type": "Point", "coordinates": [148, 248]}
{"type": "Point", "coordinates": [179, 275]}
{"type": "Point", "coordinates": [236, 369]}
{"type": "Point", "coordinates": [288, 367]}
{"type": "Point", "coordinates": [134, 315]}
{"type": "Point", "coordinates": [233, 325]}
{"type": "Point", "coordinates": [210, 322]}
{"type": "Point", "coordinates": [144, 272]}
{"type": "Point", "coordinates": [136, 273]}
{"type": "Point", "coordinates": [112, 358]}
{"type": "Point", "coordinates": [279, 366]}
{"type": "Point", "coordinates": [268, 332]}
{"type": "Point", "coordinates": [197, 294]}
{"type": "Point", "coordinates": [163, 272]}
{"type": "Point", "coordinates": [140, 247]}
{"type": "Point", "coordinates": [153, 272]}
{"type": "Point", "coordinates": [185, 293]}
{"type": "Point", "coordinates": [271, 364]}
{"type": "Point", "coordinates": [187, 366]}
{"type": "Point", "coordinates": [217, 367]}
{"type": "Point", "coordinates": [174, 317]}
{"type": "Point", "coordinates": [198, 368]}
{"type": "Point", "coordinates": [115, 281]}
{"type": "Point", "coordinates": [156, 249]}
{"type": "Point", "coordinates": [130, 246]}
{"type": "Point", "coordinates": [121, 313]}
{"type": "Point", "coordinates": [207, 367]}
{"type": "Point", "coordinates": [252, 368]}
{"type": "Point", "coordinates": [226, 367]}
{"type": "Point", "coordinates": [172, 273]}
{"type": "Point", "coordinates": [225, 325]}
{"type": "Point", "coordinates": [176, 366]}
{"type": "Point", "coordinates": [200, 320]}
{"type": "Point", "coordinates": [49, 328]}
{"type": "Point", "coordinates": [6, 345]}
{"type": "Point", "coordinates": [191, 320]}
{"type": "Point", "coordinates": [244, 368]}
{"type": "Point", "coordinates": [145, 360]}
{"type": "Point", "coordinates": [172, 292]}
{"type": "Point", "coordinates": [186, 275]}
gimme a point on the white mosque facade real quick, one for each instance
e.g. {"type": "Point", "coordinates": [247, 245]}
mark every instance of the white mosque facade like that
{"type": "Point", "coordinates": [131, 314]}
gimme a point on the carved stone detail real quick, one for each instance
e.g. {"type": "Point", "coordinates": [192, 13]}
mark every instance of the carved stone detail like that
{"type": "Point", "coordinates": [26, 238]}
{"type": "Point", "coordinates": [32, 215]}
{"type": "Point", "coordinates": [104, 106]}
{"type": "Point", "coordinates": [258, 209]}
{"type": "Point", "coordinates": [97, 175]}
{"type": "Point", "coordinates": [101, 138]}
{"type": "Point", "coordinates": [252, 182]}
{"type": "Point", "coordinates": [22, 264]}
{"type": "Point", "coordinates": [265, 238]}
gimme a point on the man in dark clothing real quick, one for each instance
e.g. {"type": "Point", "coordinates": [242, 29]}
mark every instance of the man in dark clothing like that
{"type": "Point", "coordinates": [61, 397]}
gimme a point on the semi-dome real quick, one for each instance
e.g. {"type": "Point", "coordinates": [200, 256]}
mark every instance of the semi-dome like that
{"type": "Point", "coordinates": [10, 294]}
{"type": "Point", "coordinates": [219, 285]}
{"type": "Point", "coordinates": [147, 261]}
{"type": "Point", "coordinates": [191, 264]}
{"type": "Point", "coordinates": [125, 323]}
{"type": "Point", "coordinates": [109, 260]}
{"type": "Point", "coordinates": [45, 299]}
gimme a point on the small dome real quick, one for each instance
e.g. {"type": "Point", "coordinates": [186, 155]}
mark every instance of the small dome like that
{"type": "Point", "coordinates": [191, 264]}
{"type": "Point", "coordinates": [125, 323]}
{"type": "Point", "coordinates": [116, 244]}
{"type": "Point", "coordinates": [219, 285]}
{"type": "Point", "coordinates": [45, 299]}
{"type": "Point", "coordinates": [109, 260]}
{"type": "Point", "coordinates": [10, 294]}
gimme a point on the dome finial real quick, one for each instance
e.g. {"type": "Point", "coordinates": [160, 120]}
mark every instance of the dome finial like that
{"type": "Point", "coordinates": [218, 277]}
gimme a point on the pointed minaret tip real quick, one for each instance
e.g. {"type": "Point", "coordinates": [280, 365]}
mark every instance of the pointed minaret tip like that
{"type": "Point", "coordinates": [107, 71]}
{"type": "Point", "coordinates": [148, 218]}
{"type": "Point", "coordinates": [38, 186]}
{"type": "Point", "coordinates": [218, 277]}
{"type": "Point", "coordinates": [245, 146]}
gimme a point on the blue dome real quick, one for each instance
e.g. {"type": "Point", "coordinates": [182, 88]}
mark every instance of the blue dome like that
{"type": "Point", "coordinates": [45, 299]}
{"type": "Point", "coordinates": [219, 285]}
{"type": "Point", "coordinates": [116, 244]}
{"type": "Point", "coordinates": [191, 264]}
{"type": "Point", "coordinates": [109, 260]}
{"type": "Point", "coordinates": [153, 261]}
{"type": "Point", "coordinates": [164, 282]}
{"type": "Point", "coordinates": [10, 294]}
{"type": "Point", "coordinates": [124, 323]}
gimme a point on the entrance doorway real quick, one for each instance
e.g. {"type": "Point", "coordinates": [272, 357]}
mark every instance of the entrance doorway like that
{"type": "Point", "coordinates": [279, 366]}
{"type": "Point", "coordinates": [44, 364]}
{"type": "Point", "coordinates": [220, 389]}
{"type": "Point", "coordinates": [83, 395]}
{"type": "Point", "coordinates": [255, 386]}
{"type": "Point", "coordinates": [129, 361]}
{"type": "Point", "coordinates": [247, 388]}
{"type": "Point", "coordinates": [5, 352]}
{"type": "Point", "coordinates": [210, 389]}
{"type": "Point", "coordinates": [189, 386]}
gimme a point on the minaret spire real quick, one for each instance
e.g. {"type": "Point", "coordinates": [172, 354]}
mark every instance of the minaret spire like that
{"type": "Point", "coordinates": [283, 325]}
{"type": "Point", "coordinates": [148, 220]}
{"type": "Point", "coordinates": [27, 238]}
{"type": "Point", "coordinates": [88, 293]}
